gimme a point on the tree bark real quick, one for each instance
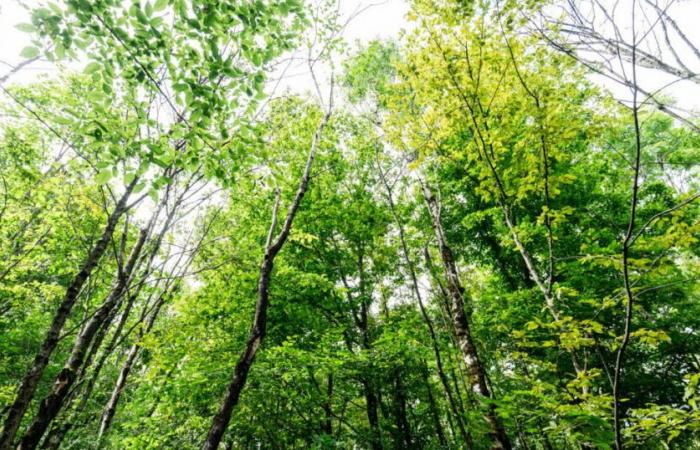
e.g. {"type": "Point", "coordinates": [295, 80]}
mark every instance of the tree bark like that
{"type": "Point", "coordinates": [328, 407]}
{"type": "Point", "coordinates": [404, 441]}
{"type": "Point", "coordinates": [52, 403]}
{"type": "Point", "coordinates": [372, 406]}
{"type": "Point", "coordinates": [259, 326]}
{"type": "Point", "coordinates": [111, 406]}
{"type": "Point", "coordinates": [434, 411]}
{"type": "Point", "coordinates": [476, 371]}
{"type": "Point", "coordinates": [424, 313]}
{"type": "Point", "coordinates": [31, 379]}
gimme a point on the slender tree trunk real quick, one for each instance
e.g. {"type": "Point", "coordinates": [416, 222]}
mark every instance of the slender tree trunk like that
{"type": "Point", "coordinates": [434, 411]}
{"type": "Point", "coordinates": [477, 374]}
{"type": "Point", "coordinates": [259, 327]}
{"type": "Point", "coordinates": [328, 406]}
{"type": "Point", "coordinates": [31, 379]}
{"type": "Point", "coordinates": [405, 440]}
{"type": "Point", "coordinates": [52, 403]}
{"type": "Point", "coordinates": [421, 305]}
{"type": "Point", "coordinates": [168, 291]}
{"type": "Point", "coordinates": [371, 399]}
{"type": "Point", "coordinates": [361, 321]}
{"type": "Point", "coordinates": [110, 408]}
{"type": "Point", "coordinates": [454, 399]}
{"type": "Point", "coordinates": [372, 406]}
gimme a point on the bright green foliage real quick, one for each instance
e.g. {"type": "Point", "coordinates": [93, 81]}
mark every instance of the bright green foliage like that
{"type": "Point", "coordinates": [531, 165]}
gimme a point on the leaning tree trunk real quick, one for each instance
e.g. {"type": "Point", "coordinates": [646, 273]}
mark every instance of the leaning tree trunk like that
{"type": "Point", "coordinates": [111, 407]}
{"type": "Point", "coordinates": [52, 403]}
{"type": "Point", "coordinates": [259, 326]}
{"type": "Point", "coordinates": [31, 379]}
{"type": "Point", "coordinates": [56, 435]}
{"type": "Point", "coordinates": [168, 291]}
{"type": "Point", "coordinates": [460, 323]}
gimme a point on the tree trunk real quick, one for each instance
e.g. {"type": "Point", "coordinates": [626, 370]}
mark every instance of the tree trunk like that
{"type": "Point", "coordinates": [372, 405]}
{"type": "Point", "coordinates": [434, 411]}
{"type": "Point", "coordinates": [328, 407]}
{"type": "Point", "coordinates": [424, 313]}
{"type": "Point", "coordinates": [31, 379]}
{"type": "Point", "coordinates": [477, 374]}
{"type": "Point", "coordinates": [52, 403]}
{"type": "Point", "coordinates": [404, 429]}
{"type": "Point", "coordinates": [259, 327]}
{"type": "Point", "coordinates": [111, 406]}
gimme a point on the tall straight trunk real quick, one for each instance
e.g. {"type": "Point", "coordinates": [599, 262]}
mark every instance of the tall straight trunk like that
{"type": "Point", "coordinates": [372, 400]}
{"type": "Point", "coordinates": [29, 383]}
{"type": "Point", "coordinates": [361, 321]}
{"type": "Point", "coordinates": [421, 306]}
{"type": "Point", "coordinates": [434, 411]}
{"type": "Point", "coordinates": [455, 400]}
{"type": "Point", "coordinates": [404, 440]}
{"type": "Point", "coordinates": [52, 403]}
{"type": "Point", "coordinates": [259, 326]}
{"type": "Point", "coordinates": [372, 406]}
{"type": "Point", "coordinates": [477, 374]}
{"type": "Point", "coordinates": [328, 406]}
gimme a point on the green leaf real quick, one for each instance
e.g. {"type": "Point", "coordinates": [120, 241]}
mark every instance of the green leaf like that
{"type": "Point", "coordinates": [26, 27]}
{"type": "Point", "coordinates": [29, 52]}
{"type": "Point", "coordinates": [103, 176]}
{"type": "Point", "coordinates": [141, 16]}
{"type": "Point", "coordinates": [160, 5]}
{"type": "Point", "coordinates": [92, 67]}
{"type": "Point", "coordinates": [153, 193]}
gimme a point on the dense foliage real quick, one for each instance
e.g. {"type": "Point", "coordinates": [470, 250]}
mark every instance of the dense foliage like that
{"type": "Point", "coordinates": [466, 244]}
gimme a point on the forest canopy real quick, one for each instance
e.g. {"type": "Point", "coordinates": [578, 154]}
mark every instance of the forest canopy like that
{"type": "Point", "coordinates": [483, 233]}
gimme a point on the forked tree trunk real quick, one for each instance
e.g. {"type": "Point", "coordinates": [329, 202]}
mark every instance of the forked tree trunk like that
{"type": "Point", "coordinates": [259, 326]}
{"type": "Point", "coordinates": [29, 383]}
{"type": "Point", "coordinates": [460, 323]}
{"type": "Point", "coordinates": [87, 384]}
{"type": "Point", "coordinates": [52, 403]}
